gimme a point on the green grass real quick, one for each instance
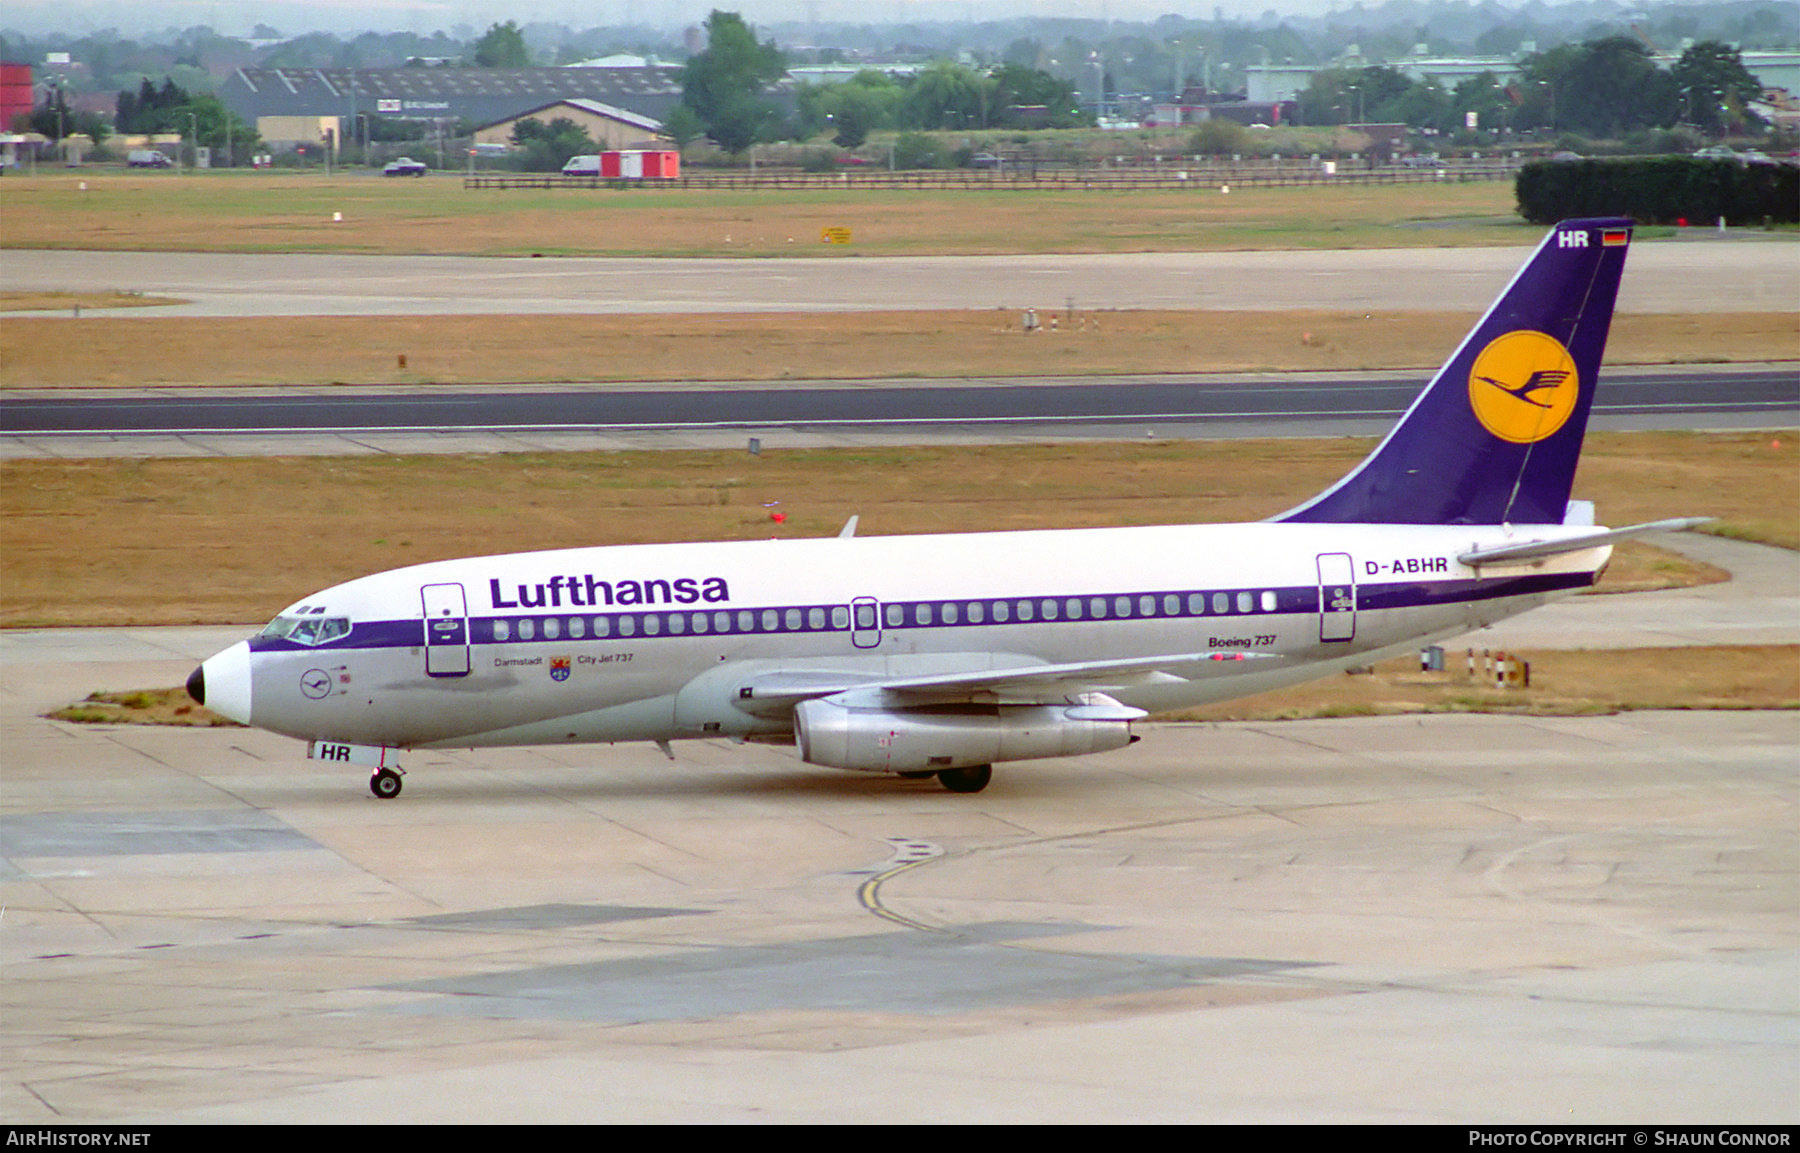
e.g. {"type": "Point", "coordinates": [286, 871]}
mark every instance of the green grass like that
{"type": "Point", "coordinates": [287, 212]}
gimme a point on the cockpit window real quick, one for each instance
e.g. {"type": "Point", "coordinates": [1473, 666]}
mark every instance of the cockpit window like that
{"type": "Point", "coordinates": [308, 630]}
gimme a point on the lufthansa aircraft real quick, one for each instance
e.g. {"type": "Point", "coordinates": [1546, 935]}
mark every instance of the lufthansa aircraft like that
{"type": "Point", "coordinates": [942, 655]}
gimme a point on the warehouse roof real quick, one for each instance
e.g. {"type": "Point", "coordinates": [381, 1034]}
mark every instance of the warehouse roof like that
{"type": "Point", "coordinates": [481, 94]}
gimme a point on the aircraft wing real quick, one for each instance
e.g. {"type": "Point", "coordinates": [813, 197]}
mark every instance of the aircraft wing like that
{"type": "Point", "coordinates": [1022, 684]}
{"type": "Point", "coordinates": [1541, 549]}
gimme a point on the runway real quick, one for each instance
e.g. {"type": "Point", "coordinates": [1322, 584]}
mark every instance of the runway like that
{"type": "Point", "coordinates": [1703, 271]}
{"type": "Point", "coordinates": [1446, 919]}
{"type": "Point", "coordinates": [471, 419]}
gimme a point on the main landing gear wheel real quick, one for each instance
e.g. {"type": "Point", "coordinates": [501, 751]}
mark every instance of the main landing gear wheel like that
{"type": "Point", "coordinates": [385, 784]}
{"type": "Point", "coordinates": [970, 780]}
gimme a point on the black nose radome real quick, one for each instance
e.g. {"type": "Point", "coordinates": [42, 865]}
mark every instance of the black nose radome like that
{"type": "Point", "coordinates": [196, 685]}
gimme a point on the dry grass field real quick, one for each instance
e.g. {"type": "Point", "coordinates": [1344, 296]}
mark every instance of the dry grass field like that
{"type": "Point", "coordinates": [1563, 683]}
{"type": "Point", "coordinates": [294, 212]}
{"type": "Point", "coordinates": [117, 542]}
{"type": "Point", "coordinates": [70, 352]}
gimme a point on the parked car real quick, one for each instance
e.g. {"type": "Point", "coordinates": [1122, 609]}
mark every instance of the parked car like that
{"type": "Point", "coordinates": [1754, 156]}
{"type": "Point", "coordinates": [146, 158]}
{"type": "Point", "coordinates": [582, 166]}
{"type": "Point", "coordinates": [1565, 154]}
{"type": "Point", "coordinates": [984, 160]}
{"type": "Point", "coordinates": [1421, 160]}
{"type": "Point", "coordinates": [405, 166]}
{"type": "Point", "coordinates": [1717, 152]}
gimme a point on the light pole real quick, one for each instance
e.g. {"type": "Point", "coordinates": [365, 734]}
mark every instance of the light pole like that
{"type": "Point", "coordinates": [62, 136]}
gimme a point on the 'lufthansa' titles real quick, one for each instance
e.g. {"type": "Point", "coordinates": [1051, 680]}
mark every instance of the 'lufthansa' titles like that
{"type": "Point", "coordinates": [588, 591]}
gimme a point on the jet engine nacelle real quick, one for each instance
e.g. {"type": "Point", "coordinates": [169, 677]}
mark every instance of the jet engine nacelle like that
{"type": "Point", "coordinates": [877, 740]}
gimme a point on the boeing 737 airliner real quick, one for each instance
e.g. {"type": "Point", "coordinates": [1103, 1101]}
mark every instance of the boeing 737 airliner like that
{"type": "Point", "coordinates": [942, 655]}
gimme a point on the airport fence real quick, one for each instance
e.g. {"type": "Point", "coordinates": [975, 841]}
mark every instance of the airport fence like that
{"type": "Point", "coordinates": [1043, 178]}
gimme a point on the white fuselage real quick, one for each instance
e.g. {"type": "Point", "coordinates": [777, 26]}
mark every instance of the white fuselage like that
{"type": "Point", "coordinates": [661, 642]}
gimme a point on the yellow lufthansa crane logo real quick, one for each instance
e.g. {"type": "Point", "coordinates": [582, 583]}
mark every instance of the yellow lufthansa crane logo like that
{"type": "Point", "coordinates": [1523, 386]}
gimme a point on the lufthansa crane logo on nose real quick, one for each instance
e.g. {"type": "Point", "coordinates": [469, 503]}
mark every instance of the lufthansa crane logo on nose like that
{"type": "Point", "coordinates": [1523, 386]}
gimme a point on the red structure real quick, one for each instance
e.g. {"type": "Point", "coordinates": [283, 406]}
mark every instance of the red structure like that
{"type": "Point", "coordinates": [640, 165]}
{"type": "Point", "coordinates": [15, 94]}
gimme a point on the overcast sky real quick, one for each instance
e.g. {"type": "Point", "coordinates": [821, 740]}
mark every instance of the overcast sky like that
{"type": "Point", "coordinates": [293, 17]}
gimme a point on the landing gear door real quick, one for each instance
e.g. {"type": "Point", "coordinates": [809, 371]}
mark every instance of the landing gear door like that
{"type": "Point", "coordinates": [446, 630]}
{"type": "Point", "coordinates": [1337, 597]}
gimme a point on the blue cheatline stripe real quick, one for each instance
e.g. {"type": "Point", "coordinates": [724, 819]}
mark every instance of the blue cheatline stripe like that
{"type": "Point", "coordinates": [1170, 604]}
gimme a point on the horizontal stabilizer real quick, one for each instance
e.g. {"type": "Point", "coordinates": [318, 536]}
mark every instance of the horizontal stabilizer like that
{"type": "Point", "coordinates": [1540, 549]}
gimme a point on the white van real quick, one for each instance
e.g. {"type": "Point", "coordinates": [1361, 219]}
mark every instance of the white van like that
{"type": "Point", "coordinates": [582, 166]}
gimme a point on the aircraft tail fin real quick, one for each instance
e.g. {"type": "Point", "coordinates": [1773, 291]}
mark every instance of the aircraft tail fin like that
{"type": "Point", "coordinates": [1495, 437]}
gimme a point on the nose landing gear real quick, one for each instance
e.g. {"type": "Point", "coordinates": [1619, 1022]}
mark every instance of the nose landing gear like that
{"type": "Point", "coordinates": [385, 783]}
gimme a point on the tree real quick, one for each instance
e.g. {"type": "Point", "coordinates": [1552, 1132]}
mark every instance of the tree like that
{"type": "Point", "coordinates": [200, 118]}
{"type": "Point", "coordinates": [1603, 88]}
{"type": "Point", "coordinates": [868, 101]}
{"type": "Point", "coordinates": [547, 147]}
{"type": "Point", "coordinates": [1217, 137]}
{"type": "Point", "coordinates": [503, 46]}
{"type": "Point", "coordinates": [949, 96]}
{"type": "Point", "coordinates": [917, 150]}
{"type": "Point", "coordinates": [682, 126]}
{"type": "Point", "coordinates": [1018, 86]}
{"type": "Point", "coordinates": [724, 83]}
{"type": "Point", "coordinates": [1484, 96]}
{"type": "Point", "coordinates": [55, 119]}
{"type": "Point", "coordinates": [1714, 86]}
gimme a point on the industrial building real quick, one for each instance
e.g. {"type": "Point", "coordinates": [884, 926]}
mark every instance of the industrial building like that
{"type": "Point", "coordinates": [611, 128]}
{"type": "Point", "coordinates": [291, 105]}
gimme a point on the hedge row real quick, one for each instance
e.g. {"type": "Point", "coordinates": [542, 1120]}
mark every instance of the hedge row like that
{"type": "Point", "coordinates": [1660, 190]}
